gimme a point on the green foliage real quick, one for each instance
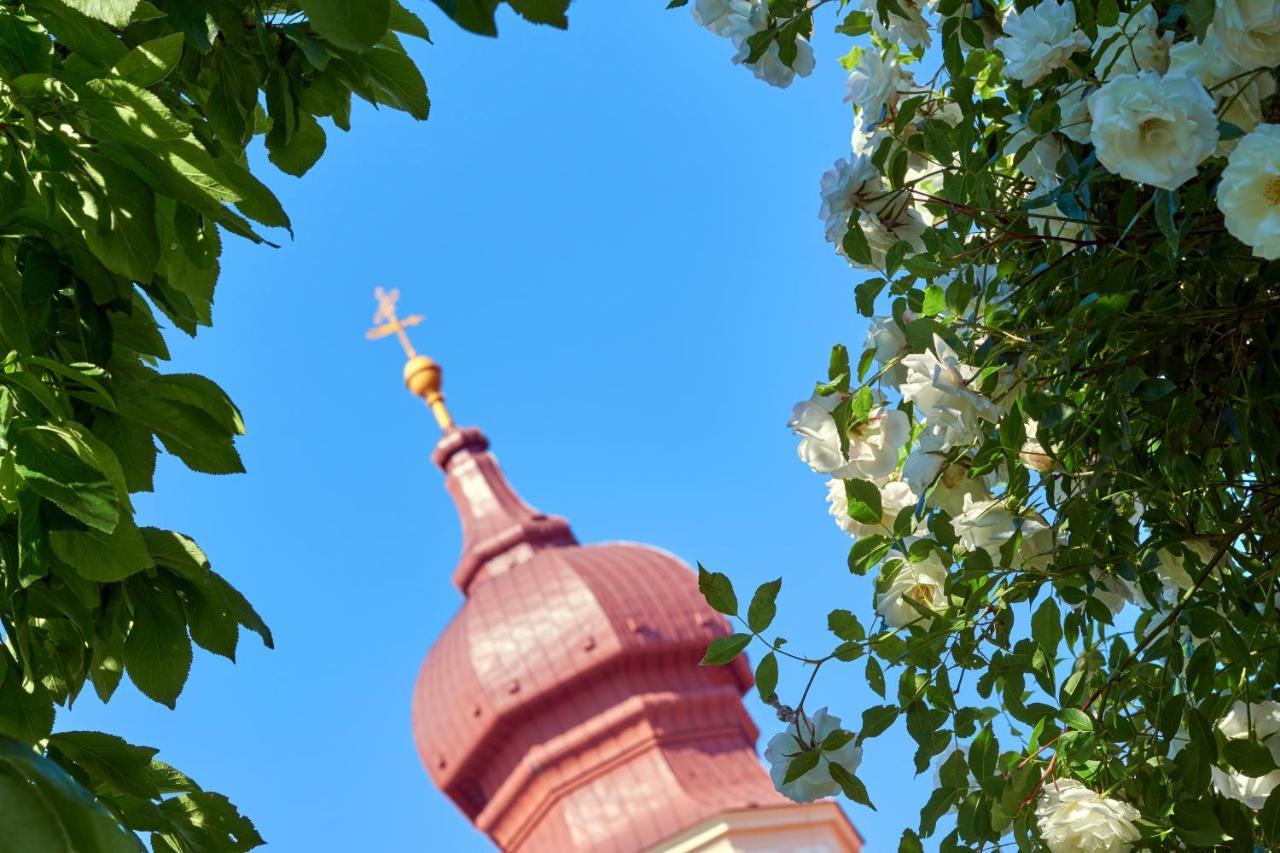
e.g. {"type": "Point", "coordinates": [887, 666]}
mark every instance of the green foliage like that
{"type": "Point", "coordinates": [1113, 388]}
{"type": "Point", "coordinates": [124, 126]}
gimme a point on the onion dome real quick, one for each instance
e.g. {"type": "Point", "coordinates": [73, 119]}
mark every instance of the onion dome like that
{"type": "Point", "coordinates": [563, 707]}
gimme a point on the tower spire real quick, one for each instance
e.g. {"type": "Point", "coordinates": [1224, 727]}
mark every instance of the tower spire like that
{"type": "Point", "coordinates": [421, 374]}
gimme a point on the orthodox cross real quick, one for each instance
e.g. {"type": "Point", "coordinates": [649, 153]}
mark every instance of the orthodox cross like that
{"type": "Point", "coordinates": [387, 323]}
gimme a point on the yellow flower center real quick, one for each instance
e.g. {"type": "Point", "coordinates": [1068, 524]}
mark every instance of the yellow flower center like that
{"type": "Point", "coordinates": [1272, 191]}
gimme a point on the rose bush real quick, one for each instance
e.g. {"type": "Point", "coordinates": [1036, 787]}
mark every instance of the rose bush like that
{"type": "Point", "coordinates": [1057, 454]}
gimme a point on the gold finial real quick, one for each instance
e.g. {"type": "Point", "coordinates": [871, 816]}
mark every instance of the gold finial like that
{"type": "Point", "coordinates": [421, 374]}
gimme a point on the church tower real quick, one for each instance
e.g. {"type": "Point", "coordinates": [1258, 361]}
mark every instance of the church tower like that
{"type": "Point", "coordinates": [563, 708]}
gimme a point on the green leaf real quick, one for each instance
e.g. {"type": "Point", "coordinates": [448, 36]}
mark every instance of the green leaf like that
{"type": "Point", "coordinates": [26, 709]}
{"type": "Point", "coordinates": [102, 556]}
{"type": "Point", "coordinates": [157, 653]}
{"type": "Point", "coordinates": [845, 625]}
{"type": "Point", "coordinates": [399, 82]}
{"type": "Point", "coordinates": [838, 367]}
{"type": "Point", "coordinates": [150, 62]}
{"type": "Point", "coordinates": [1249, 756]}
{"type": "Point", "coordinates": [724, 649]}
{"type": "Point", "coordinates": [117, 13]}
{"type": "Point", "coordinates": [115, 765]}
{"type": "Point", "coordinates": [910, 842]}
{"type": "Point", "coordinates": [864, 501]}
{"type": "Point", "coordinates": [1046, 626]}
{"type": "Point", "coordinates": [868, 551]}
{"type": "Point", "coordinates": [191, 416]}
{"type": "Point", "coordinates": [935, 301]}
{"type": "Point", "coordinates": [408, 23]}
{"type": "Point", "coordinates": [875, 676]}
{"type": "Point", "coordinates": [801, 764]}
{"type": "Point", "coordinates": [210, 822]}
{"type": "Point", "coordinates": [1076, 719]}
{"type": "Point", "coordinates": [473, 15]}
{"type": "Point", "coordinates": [763, 606]}
{"type": "Point", "coordinates": [302, 150]}
{"type": "Point", "coordinates": [43, 809]}
{"type": "Point", "coordinates": [717, 589]}
{"type": "Point", "coordinates": [876, 720]}
{"type": "Point", "coordinates": [49, 465]}
{"type": "Point", "coordinates": [856, 247]}
{"type": "Point", "coordinates": [1269, 819]}
{"type": "Point", "coordinates": [1197, 824]}
{"type": "Point", "coordinates": [865, 295]}
{"type": "Point", "coordinates": [350, 24]}
{"type": "Point", "coordinates": [767, 676]}
{"type": "Point", "coordinates": [850, 784]}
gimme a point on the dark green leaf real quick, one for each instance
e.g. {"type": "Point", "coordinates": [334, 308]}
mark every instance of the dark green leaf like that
{"type": "Point", "coordinates": [717, 589]}
{"type": "Point", "coordinates": [724, 649]}
{"type": "Point", "coordinates": [350, 24]}
{"type": "Point", "coordinates": [763, 606]}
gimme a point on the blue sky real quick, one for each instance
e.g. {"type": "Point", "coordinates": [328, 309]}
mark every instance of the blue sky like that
{"type": "Point", "coordinates": [613, 233]}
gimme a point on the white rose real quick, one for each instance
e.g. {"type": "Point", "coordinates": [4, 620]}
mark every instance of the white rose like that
{"type": "Point", "coordinates": [1073, 110]}
{"type": "Point", "coordinates": [1133, 45]}
{"type": "Point", "coordinates": [1040, 163]}
{"type": "Point", "coordinates": [895, 496]}
{"type": "Point", "coordinates": [892, 219]}
{"type": "Point", "coordinates": [848, 185]}
{"type": "Point", "coordinates": [1112, 590]}
{"type": "Point", "coordinates": [817, 782]}
{"type": "Point", "coordinates": [1239, 95]}
{"type": "Point", "coordinates": [771, 69]}
{"type": "Point", "coordinates": [923, 582]}
{"type": "Point", "coordinates": [926, 465]}
{"type": "Point", "coordinates": [873, 444]}
{"type": "Point", "coordinates": [1051, 222]}
{"type": "Point", "coordinates": [1153, 129]}
{"type": "Point", "coordinates": [910, 31]}
{"type": "Point", "coordinates": [938, 384]}
{"type": "Point", "coordinates": [890, 342]}
{"type": "Point", "coordinates": [1033, 454]}
{"type": "Point", "coordinates": [1040, 38]}
{"type": "Point", "coordinates": [1261, 721]}
{"type": "Point", "coordinates": [1249, 192]}
{"type": "Point", "coordinates": [1076, 819]}
{"type": "Point", "coordinates": [1250, 29]}
{"type": "Point", "coordinates": [875, 84]}
{"type": "Point", "coordinates": [723, 17]}
{"type": "Point", "coordinates": [989, 524]}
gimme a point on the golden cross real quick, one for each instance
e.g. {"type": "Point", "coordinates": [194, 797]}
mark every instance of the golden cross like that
{"type": "Point", "coordinates": [389, 323]}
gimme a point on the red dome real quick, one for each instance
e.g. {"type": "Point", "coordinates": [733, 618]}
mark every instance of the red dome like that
{"type": "Point", "coordinates": [563, 707]}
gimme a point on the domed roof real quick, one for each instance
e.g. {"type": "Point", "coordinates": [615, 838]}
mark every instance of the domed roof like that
{"type": "Point", "coordinates": [563, 659]}
{"type": "Point", "coordinates": [566, 613]}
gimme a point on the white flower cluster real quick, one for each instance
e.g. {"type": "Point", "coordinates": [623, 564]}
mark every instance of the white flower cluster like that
{"type": "Point", "coordinates": [1153, 109]}
{"type": "Point", "coordinates": [739, 20]}
{"type": "Point", "coordinates": [817, 782]}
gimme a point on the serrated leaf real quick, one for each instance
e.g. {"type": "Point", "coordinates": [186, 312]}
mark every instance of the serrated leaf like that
{"type": "Point", "coordinates": [157, 652]}
{"type": "Point", "coordinates": [767, 676]}
{"type": "Point", "coordinates": [801, 764]}
{"type": "Point", "coordinates": [850, 784]}
{"type": "Point", "coordinates": [863, 501]}
{"type": "Point", "coordinates": [763, 606]}
{"type": "Point", "coordinates": [721, 650]}
{"type": "Point", "coordinates": [876, 720]}
{"type": "Point", "coordinates": [117, 13]}
{"type": "Point", "coordinates": [150, 62]}
{"type": "Point", "coordinates": [102, 556]}
{"type": "Point", "coordinates": [1076, 719]}
{"type": "Point", "coordinates": [351, 24]}
{"type": "Point", "coordinates": [717, 589]}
